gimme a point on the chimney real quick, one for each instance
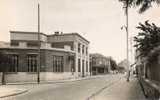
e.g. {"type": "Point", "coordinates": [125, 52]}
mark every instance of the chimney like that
{"type": "Point", "coordinates": [57, 33]}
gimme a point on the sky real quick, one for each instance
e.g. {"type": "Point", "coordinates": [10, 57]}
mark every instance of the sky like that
{"type": "Point", "coordinates": [99, 21]}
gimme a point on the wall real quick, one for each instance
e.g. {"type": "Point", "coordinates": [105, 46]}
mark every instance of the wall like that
{"type": "Point", "coordinates": [46, 59]}
{"type": "Point", "coordinates": [82, 56]}
{"type": "Point", "coordinates": [47, 73]}
{"type": "Point", "coordinates": [149, 77]}
{"type": "Point", "coordinates": [49, 60]}
{"type": "Point", "coordinates": [32, 77]}
{"type": "Point", "coordinates": [153, 71]}
{"type": "Point", "coordinates": [50, 76]}
{"type": "Point", "coordinates": [62, 44]}
{"type": "Point", "coordinates": [72, 40]}
{"type": "Point", "coordinates": [28, 36]}
{"type": "Point", "coordinates": [61, 38]}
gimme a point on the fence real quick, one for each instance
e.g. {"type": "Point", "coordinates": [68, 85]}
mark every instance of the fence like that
{"type": "Point", "coordinates": [150, 88]}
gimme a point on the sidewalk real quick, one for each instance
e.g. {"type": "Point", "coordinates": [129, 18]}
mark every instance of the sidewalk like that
{"type": "Point", "coordinates": [6, 91]}
{"type": "Point", "coordinates": [121, 90]}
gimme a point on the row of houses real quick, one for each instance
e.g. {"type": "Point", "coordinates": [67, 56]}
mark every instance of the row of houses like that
{"type": "Point", "coordinates": [59, 55]}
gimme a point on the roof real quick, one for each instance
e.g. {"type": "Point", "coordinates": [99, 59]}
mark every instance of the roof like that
{"type": "Point", "coordinates": [99, 55]}
{"type": "Point", "coordinates": [65, 34]}
{"type": "Point", "coordinates": [24, 32]}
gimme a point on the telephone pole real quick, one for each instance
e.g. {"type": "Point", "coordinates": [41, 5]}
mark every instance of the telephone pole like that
{"type": "Point", "coordinates": [39, 47]}
{"type": "Point", "coordinates": [127, 34]}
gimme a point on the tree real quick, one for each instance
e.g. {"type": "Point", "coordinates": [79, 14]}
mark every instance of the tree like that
{"type": "Point", "coordinates": [121, 69]}
{"type": "Point", "coordinates": [143, 4]}
{"type": "Point", "coordinates": [4, 65]}
{"type": "Point", "coordinates": [113, 64]}
{"type": "Point", "coordinates": [147, 39]}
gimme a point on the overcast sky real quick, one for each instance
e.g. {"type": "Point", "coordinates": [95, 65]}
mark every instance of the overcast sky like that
{"type": "Point", "coordinates": [99, 21]}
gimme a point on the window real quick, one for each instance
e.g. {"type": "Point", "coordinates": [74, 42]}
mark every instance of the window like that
{"type": "Point", "coordinates": [86, 50]}
{"type": "Point", "coordinates": [94, 60]}
{"type": "Point", "coordinates": [57, 63]}
{"type": "Point", "coordinates": [86, 66]}
{"type": "Point", "coordinates": [13, 63]}
{"type": "Point", "coordinates": [53, 45]}
{"type": "Point", "coordinates": [79, 65]}
{"type": "Point", "coordinates": [73, 69]}
{"type": "Point", "coordinates": [79, 47]}
{"type": "Point", "coordinates": [83, 49]}
{"type": "Point", "coordinates": [14, 43]}
{"type": "Point", "coordinates": [32, 44]}
{"type": "Point", "coordinates": [32, 63]}
{"type": "Point", "coordinates": [82, 68]}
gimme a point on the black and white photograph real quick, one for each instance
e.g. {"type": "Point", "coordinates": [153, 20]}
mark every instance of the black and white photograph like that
{"type": "Point", "coordinates": [79, 50]}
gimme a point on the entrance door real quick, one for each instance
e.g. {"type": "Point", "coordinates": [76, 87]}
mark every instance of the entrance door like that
{"type": "Point", "coordinates": [82, 68]}
{"type": "Point", "coordinates": [72, 66]}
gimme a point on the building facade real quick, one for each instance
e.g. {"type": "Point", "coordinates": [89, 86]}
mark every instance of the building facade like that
{"type": "Point", "coordinates": [99, 64]}
{"type": "Point", "coordinates": [147, 69]}
{"type": "Point", "coordinates": [62, 55]}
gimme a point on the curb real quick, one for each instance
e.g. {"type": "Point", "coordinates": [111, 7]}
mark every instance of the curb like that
{"type": "Point", "coordinates": [54, 82]}
{"type": "Point", "coordinates": [13, 94]}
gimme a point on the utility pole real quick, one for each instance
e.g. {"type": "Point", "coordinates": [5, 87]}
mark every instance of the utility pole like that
{"type": "Point", "coordinates": [127, 53]}
{"type": "Point", "coordinates": [39, 47]}
{"type": "Point", "coordinates": [131, 50]}
{"type": "Point", "coordinates": [127, 35]}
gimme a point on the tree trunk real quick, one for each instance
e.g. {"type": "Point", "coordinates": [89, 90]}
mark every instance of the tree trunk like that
{"type": "Point", "coordinates": [3, 78]}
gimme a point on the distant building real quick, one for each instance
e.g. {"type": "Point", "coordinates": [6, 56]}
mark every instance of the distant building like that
{"type": "Point", "coordinates": [63, 55]}
{"type": "Point", "coordinates": [4, 44]}
{"type": "Point", "coordinates": [99, 64]}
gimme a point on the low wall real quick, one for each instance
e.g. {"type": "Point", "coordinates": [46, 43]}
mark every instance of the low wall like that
{"type": "Point", "coordinates": [151, 89]}
{"type": "Point", "coordinates": [20, 77]}
{"type": "Point", "coordinates": [32, 77]}
{"type": "Point", "coordinates": [50, 76]}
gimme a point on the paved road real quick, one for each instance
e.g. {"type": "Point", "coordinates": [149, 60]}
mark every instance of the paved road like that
{"type": "Point", "coordinates": [78, 90]}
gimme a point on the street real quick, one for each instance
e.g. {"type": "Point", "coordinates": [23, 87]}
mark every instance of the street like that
{"type": "Point", "coordinates": [77, 90]}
